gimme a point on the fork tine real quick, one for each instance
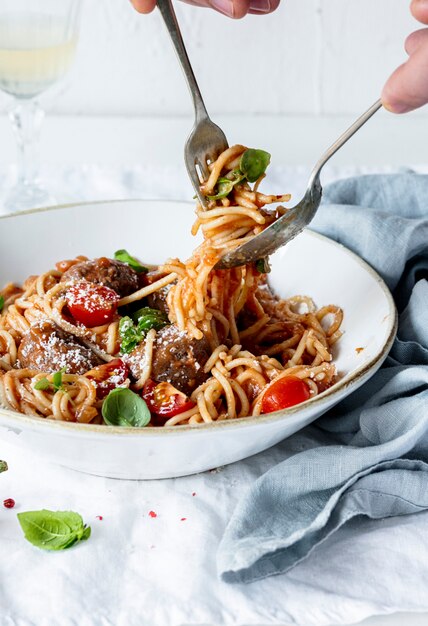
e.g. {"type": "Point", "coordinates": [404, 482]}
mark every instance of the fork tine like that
{"type": "Point", "coordinates": [204, 169]}
{"type": "Point", "coordinates": [194, 177]}
{"type": "Point", "coordinates": [212, 156]}
{"type": "Point", "coordinates": [203, 146]}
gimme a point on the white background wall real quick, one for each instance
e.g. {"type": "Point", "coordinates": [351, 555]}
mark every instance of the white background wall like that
{"type": "Point", "coordinates": [309, 57]}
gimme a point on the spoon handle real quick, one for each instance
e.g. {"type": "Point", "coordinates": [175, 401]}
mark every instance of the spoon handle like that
{"type": "Point", "coordinates": [169, 17]}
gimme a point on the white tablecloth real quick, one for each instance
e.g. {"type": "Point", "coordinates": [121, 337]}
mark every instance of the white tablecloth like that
{"type": "Point", "coordinates": [151, 559]}
{"type": "Point", "coordinates": [141, 570]}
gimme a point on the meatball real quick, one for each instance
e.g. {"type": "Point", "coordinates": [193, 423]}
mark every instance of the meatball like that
{"type": "Point", "coordinates": [157, 300]}
{"type": "Point", "coordinates": [114, 274]}
{"type": "Point", "coordinates": [47, 348]}
{"type": "Point", "coordinates": [177, 359]}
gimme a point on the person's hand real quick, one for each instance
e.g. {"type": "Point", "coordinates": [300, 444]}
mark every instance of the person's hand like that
{"type": "Point", "coordinates": [231, 8]}
{"type": "Point", "coordinates": [407, 87]}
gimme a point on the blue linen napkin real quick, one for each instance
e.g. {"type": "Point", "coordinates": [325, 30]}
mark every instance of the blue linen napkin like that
{"type": "Point", "coordinates": [367, 457]}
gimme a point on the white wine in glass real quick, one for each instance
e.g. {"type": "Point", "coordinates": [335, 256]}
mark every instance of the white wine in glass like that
{"type": "Point", "coordinates": [37, 45]}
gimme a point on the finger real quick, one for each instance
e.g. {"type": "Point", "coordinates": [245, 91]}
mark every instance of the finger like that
{"type": "Point", "coordinates": [263, 7]}
{"type": "Point", "coordinates": [419, 10]}
{"type": "Point", "coordinates": [144, 6]}
{"type": "Point", "coordinates": [407, 88]}
{"type": "Point", "coordinates": [415, 40]}
{"type": "Point", "coordinates": [197, 3]}
{"type": "Point", "coordinates": [236, 9]}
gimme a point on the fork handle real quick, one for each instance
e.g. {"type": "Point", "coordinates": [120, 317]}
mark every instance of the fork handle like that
{"type": "Point", "coordinates": [314, 177]}
{"type": "Point", "coordinates": [169, 17]}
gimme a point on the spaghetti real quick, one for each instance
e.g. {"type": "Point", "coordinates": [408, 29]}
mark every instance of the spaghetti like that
{"type": "Point", "coordinates": [199, 345]}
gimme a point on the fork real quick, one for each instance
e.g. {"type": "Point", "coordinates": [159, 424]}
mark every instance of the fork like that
{"type": "Point", "coordinates": [297, 218]}
{"type": "Point", "coordinates": [206, 141]}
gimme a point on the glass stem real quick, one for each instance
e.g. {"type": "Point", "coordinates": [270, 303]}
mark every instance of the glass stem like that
{"type": "Point", "coordinates": [26, 117]}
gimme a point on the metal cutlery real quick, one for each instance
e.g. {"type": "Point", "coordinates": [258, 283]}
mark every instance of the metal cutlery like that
{"type": "Point", "coordinates": [206, 141]}
{"type": "Point", "coordinates": [297, 218]}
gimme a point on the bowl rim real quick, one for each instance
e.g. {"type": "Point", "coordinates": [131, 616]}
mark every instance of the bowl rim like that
{"type": "Point", "coordinates": [349, 380]}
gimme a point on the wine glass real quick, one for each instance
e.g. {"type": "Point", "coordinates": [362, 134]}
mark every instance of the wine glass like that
{"type": "Point", "coordinates": [37, 45]}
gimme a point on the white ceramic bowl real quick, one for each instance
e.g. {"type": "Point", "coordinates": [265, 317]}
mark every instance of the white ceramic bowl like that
{"type": "Point", "coordinates": [154, 230]}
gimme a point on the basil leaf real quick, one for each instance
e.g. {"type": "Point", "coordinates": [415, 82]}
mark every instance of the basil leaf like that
{"type": "Point", "coordinates": [225, 185]}
{"type": "Point", "coordinates": [57, 379]}
{"type": "Point", "coordinates": [53, 530]}
{"type": "Point", "coordinates": [42, 384]}
{"type": "Point", "coordinates": [148, 318]}
{"type": "Point", "coordinates": [1, 303]}
{"type": "Point", "coordinates": [3, 466]}
{"type": "Point", "coordinates": [86, 533]}
{"type": "Point", "coordinates": [56, 384]}
{"type": "Point", "coordinates": [262, 265]}
{"type": "Point", "coordinates": [129, 335]}
{"type": "Point", "coordinates": [253, 164]}
{"type": "Point", "coordinates": [123, 407]}
{"type": "Point", "coordinates": [125, 257]}
{"type": "Point", "coordinates": [132, 334]}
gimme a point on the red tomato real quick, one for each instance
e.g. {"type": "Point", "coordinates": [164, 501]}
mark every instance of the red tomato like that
{"type": "Point", "coordinates": [108, 376]}
{"type": "Point", "coordinates": [90, 304]}
{"type": "Point", "coordinates": [285, 392]}
{"type": "Point", "coordinates": [165, 400]}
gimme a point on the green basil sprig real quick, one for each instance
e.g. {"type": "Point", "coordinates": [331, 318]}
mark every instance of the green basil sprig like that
{"type": "Point", "coordinates": [262, 265]}
{"type": "Point", "coordinates": [252, 165]}
{"type": "Point", "coordinates": [123, 407]}
{"type": "Point", "coordinates": [125, 257]}
{"type": "Point", "coordinates": [53, 530]}
{"type": "Point", "coordinates": [56, 384]}
{"type": "Point", "coordinates": [1, 303]}
{"type": "Point", "coordinates": [3, 466]}
{"type": "Point", "coordinates": [132, 330]}
{"type": "Point", "coordinates": [129, 335]}
{"type": "Point", "coordinates": [226, 184]}
{"type": "Point", "coordinates": [147, 318]}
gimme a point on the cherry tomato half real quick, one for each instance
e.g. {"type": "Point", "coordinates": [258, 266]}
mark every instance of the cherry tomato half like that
{"type": "Point", "coordinates": [90, 304]}
{"type": "Point", "coordinates": [108, 376]}
{"type": "Point", "coordinates": [285, 392]}
{"type": "Point", "coordinates": [165, 400]}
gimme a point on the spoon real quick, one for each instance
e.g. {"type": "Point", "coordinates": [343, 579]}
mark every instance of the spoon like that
{"type": "Point", "coordinates": [297, 218]}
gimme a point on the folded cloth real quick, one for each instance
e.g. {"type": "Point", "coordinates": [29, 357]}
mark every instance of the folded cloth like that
{"type": "Point", "coordinates": [368, 457]}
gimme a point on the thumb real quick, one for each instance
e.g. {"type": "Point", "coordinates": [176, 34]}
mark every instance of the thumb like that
{"type": "Point", "coordinates": [407, 87]}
